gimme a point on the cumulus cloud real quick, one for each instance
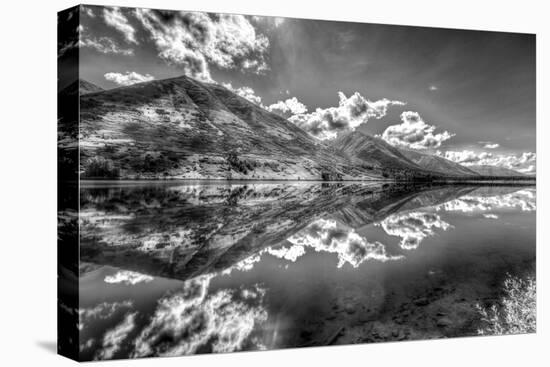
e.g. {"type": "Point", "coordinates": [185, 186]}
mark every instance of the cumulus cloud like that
{"type": "Point", "coordinates": [113, 338]}
{"type": "Point", "coordinates": [195, 41]}
{"type": "Point", "coordinates": [329, 236]}
{"type": "Point", "coordinates": [194, 317]}
{"type": "Point", "coordinates": [285, 109]}
{"type": "Point", "coordinates": [278, 21]}
{"type": "Point", "coordinates": [465, 157]}
{"type": "Point", "coordinates": [323, 235]}
{"type": "Point", "coordinates": [291, 106]}
{"type": "Point", "coordinates": [414, 133]}
{"type": "Point", "coordinates": [531, 169]}
{"type": "Point", "coordinates": [245, 92]}
{"type": "Point", "coordinates": [104, 45]}
{"type": "Point", "coordinates": [88, 11]}
{"type": "Point", "coordinates": [102, 311]}
{"type": "Point", "coordinates": [413, 227]}
{"type": "Point", "coordinates": [113, 17]}
{"type": "Point", "coordinates": [524, 162]}
{"type": "Point", "coordinates": [489, 145]}
{"type": "Point", "coordinates": [291, 253]}
{"type": "Point", "coordinates": [350, 113]}
{"type": "Point", "coordinates": [271, 22]}
{"type": "Point", "coordinates": [128, 278]}
{"type": "Point", "coordinates": [129, 78]}
{"type": "Point", "coordinates": [524, 200]}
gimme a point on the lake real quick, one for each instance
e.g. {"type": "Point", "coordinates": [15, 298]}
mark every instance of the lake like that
{"type": "Point", "coordinates": [176, 268]}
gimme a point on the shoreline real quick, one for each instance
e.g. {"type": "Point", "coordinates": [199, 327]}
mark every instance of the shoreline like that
{"type": "Point", "coordinates": [129, 182]}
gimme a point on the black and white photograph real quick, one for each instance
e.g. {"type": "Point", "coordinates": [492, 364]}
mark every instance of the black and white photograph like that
{"type": "Point", "coordinates": [233, 183]}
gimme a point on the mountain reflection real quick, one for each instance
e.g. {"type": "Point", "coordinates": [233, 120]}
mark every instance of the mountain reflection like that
{"type": "Point", "coordinates": [163, 260]}
{"type": "Point", "coordinates": [182, 231]}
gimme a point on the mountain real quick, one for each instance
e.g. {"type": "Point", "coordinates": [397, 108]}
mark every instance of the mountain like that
{"type": "Point", "coordinates": [373, 151]}
{"type": "Point", "coordinates": [378, 153]}
{"type": "Point", "coordinates": [438, 164]}
{"type": "Point", "coordinates": [80, 86]}
{"type": "Point", "coordinates": [183, 128]}
{"type": "Point", "coordinates": [486, 170]}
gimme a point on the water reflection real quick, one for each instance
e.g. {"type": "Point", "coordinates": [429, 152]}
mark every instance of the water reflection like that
{"type": "Point", "coordinates": [193, 319]}
{"type": "Point", "coordinates": [523, 200]}
{"type": "Point", "coordinates": [413, 227]}
{"type": "Point", "coordinates": [173, 269]}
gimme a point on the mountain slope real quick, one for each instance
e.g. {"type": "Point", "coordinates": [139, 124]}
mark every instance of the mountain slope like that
{"type": "Point", "coordinates": [183, 128]}
{"type": "Point", "coordinates": [438, 164]}
{"type": "Point", "coordinates": [485, 170]}
{"type": "Point", "coordinates": [377, 153]}
{"type": "Point", "coordinates": [80, 86]}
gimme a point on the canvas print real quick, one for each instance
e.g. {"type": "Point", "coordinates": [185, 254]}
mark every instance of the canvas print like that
{"type": "Point", "coordinates": [241, 183]}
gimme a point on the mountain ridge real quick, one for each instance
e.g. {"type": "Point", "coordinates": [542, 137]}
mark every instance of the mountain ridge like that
{"type": "Point", "coordinates": [487, 170]}
{"type": "Point", "coordinates": [183, 128]}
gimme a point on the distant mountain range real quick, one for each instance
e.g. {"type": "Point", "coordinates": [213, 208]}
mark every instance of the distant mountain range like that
{"type": "Point", "coordinates": [379, 153]}
{"type": "Point", "coordinates": [439, 164]}
{"type": "Point", "coordinates": [183, 128]}
{"type": "Point", "coordinates": [81, 87]}
{"type": "Point", "coordinates": [485, 170]}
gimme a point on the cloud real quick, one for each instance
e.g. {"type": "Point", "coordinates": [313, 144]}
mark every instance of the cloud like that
{"type": "Point", "coordinates": [287, 108]}
{"type": "Point", "coordinates": [128, 78]}
{"type": "Point", "coordinates": [88, 11]}
{"type": "Point", "coordinates": [332, 237]}
{"type": "Point", "coordinates": [194, 318]}
{"type": "Point", "coordinates": [113, 338]}
{"type": "Point", "coordinates": [350, 113]}
{"type": "Point", "coordinates": [291, 253]}
{"type": "Point", "coordinates": [245, 92]}
{"type": "Point", "coordinates": [413, 227]}
{"type": "Point", "coordinates": [128, 278]}
{"type": "Point", "coordinates": [102, 311]}
{"type": "Point", "coordinates": [489, 145]}
{"type": "Point", "coordinates": [531, 169]}
{"type": "Point", "coordinates": [524, 162]}
{"type": "Point", "coordinates": [465, 157]}
{"type": "Point", "coordinates": [194, 41]}
{"type": "Point", "coordinates": [270, 22]}
{"type": "Point", "coordinates": [113, 17]}
{"type": "Point", "coordinates": [414, 133]}
{"type": "Point", "coordinates": [104, 45]}
{"type": "Point", "coordinates": [524, 200]}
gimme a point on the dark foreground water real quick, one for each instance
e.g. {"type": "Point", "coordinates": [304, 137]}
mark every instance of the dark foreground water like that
{"type": "Point", "coordinates": [182, 268]}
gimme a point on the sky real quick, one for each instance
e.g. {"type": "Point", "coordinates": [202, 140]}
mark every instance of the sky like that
{"type": "Point", "coordinates": [468, 96]}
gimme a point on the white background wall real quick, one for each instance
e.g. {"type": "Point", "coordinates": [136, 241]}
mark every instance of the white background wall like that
{"type": "Point", "coordinates": [28, 181]}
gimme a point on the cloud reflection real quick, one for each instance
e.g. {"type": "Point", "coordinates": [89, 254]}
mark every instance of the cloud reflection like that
{"type": "Point", "coordinates": [524, 200]}
{"type": "Point", "coordinates": [413, 227]}
{"type": "Point", "coordinates": [128, 278]}
{"type": "Point", "coordinates": [332, 237]}
{"type": "Point", "coordinates": [193, 320]}
{"type": "Point", "coordinates": [102, 311]}
{"type": "Point", "coordinates": [113, 338]}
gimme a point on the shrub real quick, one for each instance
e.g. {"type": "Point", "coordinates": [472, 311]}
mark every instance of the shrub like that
{"type": "Point", "coordinates": [99, 167]}
{"type": "Point", "coordinates": [517, 311]}
{"type": "Point", "coordinates": [238, 165]}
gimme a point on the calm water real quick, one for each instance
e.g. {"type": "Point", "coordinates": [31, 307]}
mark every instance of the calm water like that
{"type": "Point", "coordinates": [183, 268]}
